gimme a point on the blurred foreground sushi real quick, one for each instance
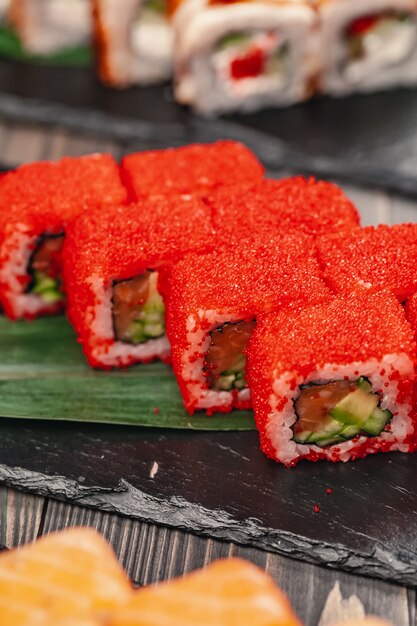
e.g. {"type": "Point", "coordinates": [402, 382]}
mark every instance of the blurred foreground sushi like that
{"type": "Point", "coordinates": [50, 26]}
{"type": "Point", "coordinates": [367, 46]}
{"type": "Point", "coordinates": [134, 41]}
{"type": "Point", "coordinates": [63, 579]}
{"type": "Point", "coordinates": [334, 381]}
{"type": "Point", "coordinates": [244, 55]}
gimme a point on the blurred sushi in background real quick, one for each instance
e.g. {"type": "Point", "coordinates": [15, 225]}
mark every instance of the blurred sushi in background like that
{"type": "Point", "coordinates": [49, 26]}
{"type": "Point", "coordinates": [134, 41]}
{"type": "Point", "coordinates": [367, 46]}
{"type": "Point", "coordinates": [244, 55]}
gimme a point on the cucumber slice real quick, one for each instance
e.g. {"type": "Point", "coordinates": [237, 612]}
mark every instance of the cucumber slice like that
{"type": "Point", "coordinates": [355, 408]}
{"type": "Point", "coordinates": [377, 422]}
{"type": "Point", "coordinates": [331, 429]}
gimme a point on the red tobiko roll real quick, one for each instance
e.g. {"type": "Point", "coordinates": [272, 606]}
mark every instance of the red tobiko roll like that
{"type": "Point", "coordinates": [198, 168]}
{"type": "Point", "coordinates": [371, 259]}
{"type": "Point", "coordinates": [36, 203]}
{"type": "Point", "coordinates": [212, 304]}
{"type": "Point", "coordinates": [310, 206]}
{"type": "Point", "coordinates": [335, 380]}
{"type": "Point", "coordinates": [112, 258]}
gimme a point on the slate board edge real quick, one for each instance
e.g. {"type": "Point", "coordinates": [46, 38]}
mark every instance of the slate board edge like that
{"type": "Point", "coordinates": [180, 514]}
{"type": "Point", "coordinates": [273, 152]}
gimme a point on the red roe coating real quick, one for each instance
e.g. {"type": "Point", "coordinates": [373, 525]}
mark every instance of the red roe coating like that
{"type": "Point", "coordinates": [44, 195]}
{"type": "Point", "coordinates": [235, 283]}
{"type": "Point", "coordinates": [40, 198]}
{"type": "Point", "coordinates": [371, 258]}
{"type": "Point", "coordinates": [411, 313]}
{"type": "Point", "coordinates": [340, 331]}
{"type": "Point", "coordinates": [313, 207]}
{"type": "Point", "coordinates": [199, 168]}
{"type": "Point", "coordinates": [120, 242]}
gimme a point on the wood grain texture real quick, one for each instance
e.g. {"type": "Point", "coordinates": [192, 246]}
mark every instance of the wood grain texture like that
{"type": "Point", "coordinates": [20, 517]}
{"type": "Point", "coordinates": [150, 554]}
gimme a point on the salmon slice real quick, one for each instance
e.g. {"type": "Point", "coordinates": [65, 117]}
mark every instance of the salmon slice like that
{"type": "Point", "coordinates": [73, 574]}
{"type": "Point", "coordinates": [227, 593]}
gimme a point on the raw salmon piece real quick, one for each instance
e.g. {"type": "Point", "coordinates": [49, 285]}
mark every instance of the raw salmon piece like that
{"type": "Point", "coordinates": [67, 575]}
{"type": "Point", "coordinates": [228, 593]}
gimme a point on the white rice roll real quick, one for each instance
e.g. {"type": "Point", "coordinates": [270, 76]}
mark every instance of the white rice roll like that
{"type": "Point", "coordinates": [134, 41]}
{"type": "Point", "coordinates": [48, 26]}
{"type": "Point", "coordinates": [218, 48]}
{"type": "Point", "coordinates": [380, 53]}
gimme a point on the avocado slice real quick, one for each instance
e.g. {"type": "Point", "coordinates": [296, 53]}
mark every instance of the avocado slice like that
{"type": "Point", "coordinates": [355, 408]}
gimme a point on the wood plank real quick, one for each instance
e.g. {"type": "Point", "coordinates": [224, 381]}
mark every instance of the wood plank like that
{"type": "Point", "coordinates": [20, 517]}
{"type": "Point", "coordinates": [150, 554]}
{"type": "Point", "coordinates": [63, 143]}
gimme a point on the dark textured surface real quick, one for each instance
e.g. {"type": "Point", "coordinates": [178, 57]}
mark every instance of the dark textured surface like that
{"type": "Point", "coordinates": [370, 139]}
{"type": "Point", "coordinates": [219, 484]}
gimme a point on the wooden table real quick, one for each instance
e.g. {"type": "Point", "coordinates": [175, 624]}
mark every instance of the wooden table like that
{"type": "Point", "coordinates": [151, 553]}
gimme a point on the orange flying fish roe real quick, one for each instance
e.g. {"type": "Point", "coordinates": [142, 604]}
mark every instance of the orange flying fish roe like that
{"type": "Point", "coordinates": [371, 258]}
{"type": "Point", "coordinates": [121, 242]}
{"type": "Point", "coordinates": [340, 331]}
{"type": "Point", "coordinates": [238, 282]}
{"type": "Point", "coordinates": [198, 168]}
{"type": "Point", "coordinates": [310, 206]}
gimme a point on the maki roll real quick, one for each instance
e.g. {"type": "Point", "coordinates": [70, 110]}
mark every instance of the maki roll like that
{"type": "Point", "coordinates": [112, 259]}
{"type": "Point", "coordinates": [227, 592]}
{"type": "Point", "coordinates": [243, 56]}
{"type": "Point", "coordinates": [212, 303]}
{"type": "Point", "coordinates": [367, 46]}
{"type": "Point", "coordinates": [310, 206]}
{"type": "Point", "coordinates": [50, 26]}
{"type": "Point", "coordinates": [335, 380]}
{"type": "Point", "coordinates": [371, 259]}
{"type": "Point", "coordinates": [134, 41]}
{"type": "Point", "coordinates": [199, 169]}
{"type": "Point", "coordinates": [36, 203]}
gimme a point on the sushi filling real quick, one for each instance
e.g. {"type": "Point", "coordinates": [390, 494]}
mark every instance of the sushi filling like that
{"type": "Point", "coordinates": [151, 33]}
{"type": "Point", "coordinates": [224, 365]}
{"type": "Point", "coordinates": [337, 411]}
{"type": "Point", "coordinates": [242, 56]}
{"type": "Point", "coordinates": [44, 268]}
{"type": "Point", "coordinates": [377, 41]}
{"type": "Point", "coordinates": [138, 309]}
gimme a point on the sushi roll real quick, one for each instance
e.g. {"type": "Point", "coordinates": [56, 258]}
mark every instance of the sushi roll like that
{"type": "Point", "coordinates": [134, 41]}
{"type": "Point", "coordinates": [210, 317]}
{"type": "Point", "coordinates": [371, 258]}
{"type": "Point", "coordinates": [367, 46]}
{"type": "Point", "coordinates": [226, 593]}
{"type": "Point", "coordinates": [335, 380]}
{"type": "Point", "coordinates": [244, 56]}
{"type": "Point", "coordinates": [50, 26]}
{"type": "Point", "coordinates": [199, 169]}
{"type": "Point", "coordinates": [36, 203]}
{"type": "Point", "coordinates": [313, 207]}
{"type": "Point", "coordinates": [62, 579]}
{"type": "Point", "coordinates": [112, 259]}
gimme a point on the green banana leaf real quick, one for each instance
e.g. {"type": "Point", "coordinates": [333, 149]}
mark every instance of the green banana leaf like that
{"type": "Point", "coordinates": [43, 375]}
{"type": "Point", "coordinates": [11, 47]}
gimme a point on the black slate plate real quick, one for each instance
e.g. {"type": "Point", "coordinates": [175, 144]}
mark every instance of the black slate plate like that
{"type": "Point", "coordinates": [369, 139]}
{"type": "Point", "coordinates": [219, 484]}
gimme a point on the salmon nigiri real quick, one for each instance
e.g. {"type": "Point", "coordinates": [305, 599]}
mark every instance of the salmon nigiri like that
{"type": "Point", "coordinates": [227, 593]}
{"type": "Point", "coordinates": [73, 574]}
